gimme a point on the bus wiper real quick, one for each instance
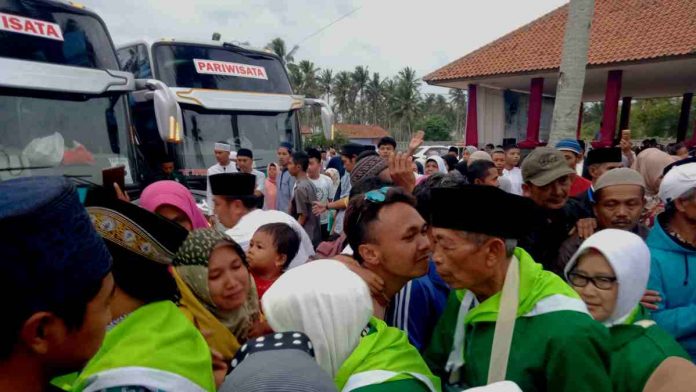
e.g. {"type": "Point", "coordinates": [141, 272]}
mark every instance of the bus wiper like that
{"type": "Point", "coordinates": [25, 168]}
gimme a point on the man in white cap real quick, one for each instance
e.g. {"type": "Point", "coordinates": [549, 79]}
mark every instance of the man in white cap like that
{"type": "Point", "coordinates": [672, 243]}
{"type": "Point", "coordinates": [225, 164]}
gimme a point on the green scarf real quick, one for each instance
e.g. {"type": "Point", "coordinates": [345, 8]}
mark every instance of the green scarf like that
{"type": "Point", "coordinates": [535, 285]}
{"type": "Point", "coordinates": [384, 348]}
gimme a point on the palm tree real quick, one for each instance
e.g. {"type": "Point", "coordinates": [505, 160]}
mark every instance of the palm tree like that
{"type": "Point", "coordinates": [296, 78]}
{"type": "Point", "coordinates": [374, 90]}
{"type": "Point", "coordinates": [309, 78]}
{"type": "Point", "coordinates": [458, 102]}
{"type": "Point", "coordinates": [325, 81]}
{"type": "Point", "coordinates": [407, 99]}
{"type": "Point", "coordinates": [360, 78]}
{"type": "Point", "coordinates": [342, 94]}
{"type": "Point", "coordinates": [278, 47]}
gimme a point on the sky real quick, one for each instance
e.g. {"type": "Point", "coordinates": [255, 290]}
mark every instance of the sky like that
{"type": "Point", "coordinates": [384, 35]}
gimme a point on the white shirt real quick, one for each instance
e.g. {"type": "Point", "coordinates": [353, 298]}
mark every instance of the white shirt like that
{"type": "Point", "coordinates": [515, 177]}
{"type": "Point", "coordinates": [260, 181]}
{"type": "Point", "coordinates": [323, 185]}
{"type": "Point", "coordinates": [217, 169]}
{"type": "Point", "coordinates": [242, 232]}
{"type": "Point", "coordinates": [579, 166]}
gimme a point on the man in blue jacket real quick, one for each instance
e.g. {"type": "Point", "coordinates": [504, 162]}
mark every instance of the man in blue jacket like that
{"type": "Point", "coordinates": [672, 244]}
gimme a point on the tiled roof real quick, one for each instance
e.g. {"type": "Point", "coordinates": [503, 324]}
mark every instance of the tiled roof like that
{"type": "Point", "coordinates": [622, 30]}
{"type": "Point", "coordinates": [359, 131]}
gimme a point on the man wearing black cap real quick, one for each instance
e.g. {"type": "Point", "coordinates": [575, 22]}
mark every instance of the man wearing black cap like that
{"type": "Point", "coordinates": [598, 162]}
{"type": "Point", "coordinates": [236, 208]}
{"type": "Point", "coordinates": [136, 354]}
{"type": "Point", "coordinates": [286, 182]}
{"type": "Point", "coordinates": [547, 180]}
{"type": "Point", "coordinates": [508, 318]}
{"type": "Point", "coordinates": [56, 282]}
{"type": "Point", "coordinates": [245, 164]}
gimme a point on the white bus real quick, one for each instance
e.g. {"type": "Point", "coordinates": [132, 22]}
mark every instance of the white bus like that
{"type": "Point", "coordinates": [63, 97]}
{"type": "Point", "coordinates": [226, 92]}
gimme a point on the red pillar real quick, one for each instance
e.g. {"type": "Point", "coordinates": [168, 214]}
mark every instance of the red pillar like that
{"type": "Point", "coordinates": [534, 113]}
{"type": "Point", "coordinates": [579, 128]}
{"type": "Point", "coordinates": [471, 118]}
{"type": "Point", "coordinates": [611, 108]}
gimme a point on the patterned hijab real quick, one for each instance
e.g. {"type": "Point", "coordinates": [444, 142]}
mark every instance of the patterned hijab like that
{"type": "Point", "coordinates": [191, 263]}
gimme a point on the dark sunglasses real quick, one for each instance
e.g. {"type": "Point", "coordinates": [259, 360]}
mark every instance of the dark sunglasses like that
{"type": "Point", "coordinates": [600, 282]}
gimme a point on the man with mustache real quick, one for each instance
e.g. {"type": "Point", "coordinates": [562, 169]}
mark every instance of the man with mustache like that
{"type": "Point", "coordinates": [547, 182]}
{"type": "Point", "coordinates": [618, 203]}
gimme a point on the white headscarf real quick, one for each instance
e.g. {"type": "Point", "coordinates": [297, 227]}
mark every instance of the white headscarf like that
{"type": "Point", "coordinates": [629, 256]}
{"type": "Point", "coordinates": [326, 301]}
{"type": "Point", "coordinates": [441, 165]}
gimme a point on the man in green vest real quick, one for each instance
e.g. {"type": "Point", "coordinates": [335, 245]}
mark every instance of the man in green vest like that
{"type": "Point", "coordinates": [507, 318]}
{"type": "Point", "coordinates": [150, 344]}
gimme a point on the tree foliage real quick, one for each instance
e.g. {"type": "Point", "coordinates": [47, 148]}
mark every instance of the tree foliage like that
{"type": "Point", "coordinates": [359, 96]}
{"type": "Point", "coordinates": [436, 127]}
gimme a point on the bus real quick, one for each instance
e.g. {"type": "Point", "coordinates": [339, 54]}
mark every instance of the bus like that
{"type": "Point", "coordinates": [226, 92]}
{"type": "Point", "coordinates": [63, 98]}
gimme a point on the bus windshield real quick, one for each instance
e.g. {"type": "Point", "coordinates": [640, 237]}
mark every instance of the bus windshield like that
{"type": "Point", "coordinates": [260, 132]}
{"type": "Point", "coordinates": [57, 134]}
{"type": "Point", "coordinates": [85, 41]}
{"type": "Point", "coordinates": [174, 65]}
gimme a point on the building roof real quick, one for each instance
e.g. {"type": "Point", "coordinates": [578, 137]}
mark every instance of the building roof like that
{"type": "Point", "coordinates": [622, 31]}
{"type": "Point", "coordinates": [359, 131]}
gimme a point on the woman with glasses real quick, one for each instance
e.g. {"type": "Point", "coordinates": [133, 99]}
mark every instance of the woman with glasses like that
{"type": "Point", "coordinates": [610, 273]}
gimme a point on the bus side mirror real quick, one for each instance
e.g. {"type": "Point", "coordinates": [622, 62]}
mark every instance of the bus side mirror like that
{"type": "Point", "coordinates": [167, 110]}
{"type": "Point", "coordinates": [327, 116]}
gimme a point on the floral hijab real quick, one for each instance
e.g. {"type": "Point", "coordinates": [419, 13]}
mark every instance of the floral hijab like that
{"type": "Point", "coordinates": [191, 263]}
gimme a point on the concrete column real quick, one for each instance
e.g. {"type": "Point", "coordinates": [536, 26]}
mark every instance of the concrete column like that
{"type": "Point", "coordinates": [684, 116]}
{"type": "Point", "coordinates": [625, 113]}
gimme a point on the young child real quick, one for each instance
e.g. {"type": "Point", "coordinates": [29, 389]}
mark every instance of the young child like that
{"type": "Point", "coordinates": [271, 250]}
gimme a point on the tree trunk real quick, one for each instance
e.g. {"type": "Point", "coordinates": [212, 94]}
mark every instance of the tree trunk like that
{"type": "Point", "coordinates": [571, 78]}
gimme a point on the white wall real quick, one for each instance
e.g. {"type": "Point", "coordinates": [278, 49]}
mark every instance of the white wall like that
{"type": "Point", "coordinates": [491, 115]}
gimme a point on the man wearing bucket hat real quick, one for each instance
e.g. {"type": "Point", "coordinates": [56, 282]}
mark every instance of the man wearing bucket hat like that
{"type": "Point", "coordinates": [672, 243]}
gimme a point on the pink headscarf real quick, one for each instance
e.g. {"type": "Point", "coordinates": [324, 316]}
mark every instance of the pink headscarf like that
{"type": "Point", "coordinates": [176, 195]}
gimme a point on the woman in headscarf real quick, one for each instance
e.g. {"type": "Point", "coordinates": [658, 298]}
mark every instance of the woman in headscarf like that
{"type": "Point", "coordinates": [433, 164]}
{"type": "Point", "coordinates": [174, 202]}
{"type": "Point", "coordinates": [610, 273]}
{"type": "Point", "coordinates": [271, 189]}
{"type": "Point", "coordinates": [468, 150]}
{"type": "Point", "coordinates": [335, 311]}
{"type": "Point", "coordinates": [335, 181]}
{"type": "Point", "coordinates": [650, 163]}
{"type": "Point", "coordinates": [218, 293]}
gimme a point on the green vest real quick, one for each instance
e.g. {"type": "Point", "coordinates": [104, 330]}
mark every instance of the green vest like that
{"type": "Point", "coordinates": [638, 347]}
{"type": "Point", "coordinates": [156, 347]}
{"type": "Point", "coordinates": [384, 355]}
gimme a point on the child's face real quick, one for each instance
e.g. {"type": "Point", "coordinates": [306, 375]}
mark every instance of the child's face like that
{"type": "Point", "coordinates": [263, 256]}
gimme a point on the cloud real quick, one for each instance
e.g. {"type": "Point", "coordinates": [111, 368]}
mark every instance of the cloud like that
{"type": "Point", "coordinates": [385, 35]}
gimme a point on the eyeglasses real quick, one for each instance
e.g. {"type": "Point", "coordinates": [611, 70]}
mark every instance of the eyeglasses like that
{"type": "Point", "coordinates": [378, 195]}
{"type": "Point", "coordinates": [600, 282]}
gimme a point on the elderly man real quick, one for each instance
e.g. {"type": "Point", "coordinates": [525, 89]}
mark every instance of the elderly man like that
{"type": "Point", "coordinates": [619, 201]}
{"type": "Point", "coordinates": [507, 319]}
{"type": "Point", "coordinates": [547, 183]}
{"type": "Point", "coordinates": [672, 243]}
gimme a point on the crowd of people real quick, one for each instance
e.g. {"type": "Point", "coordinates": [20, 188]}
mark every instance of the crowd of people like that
{"type": "Point", "coordinates": [555, 269]}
